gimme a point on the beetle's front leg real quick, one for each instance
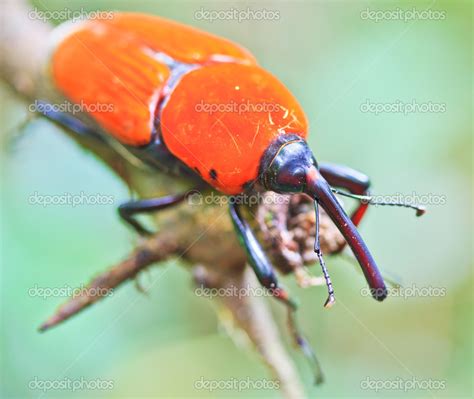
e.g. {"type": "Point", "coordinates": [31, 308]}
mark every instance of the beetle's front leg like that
{"type": "Point", "coordinates": [257, 258]}
{"type": "Point", "coordinates": [350, 179]}
{"type": "Point", "coordinates": [128, 210]}
{"type": "Point", "coordinates": [267, 277]}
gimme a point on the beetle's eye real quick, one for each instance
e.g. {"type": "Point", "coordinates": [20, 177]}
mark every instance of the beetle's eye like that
{"type": "Point", "coordinates": [291, 179]}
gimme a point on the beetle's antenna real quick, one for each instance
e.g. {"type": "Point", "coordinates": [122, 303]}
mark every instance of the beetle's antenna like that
{"type": "Point", "coordinates": [317, 248]}
{"type": "Point", "coordinates": [368, 199]}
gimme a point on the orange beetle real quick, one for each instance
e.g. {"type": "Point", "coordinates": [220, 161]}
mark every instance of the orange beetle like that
{"type": "Point", "coordinates": [188, 102]}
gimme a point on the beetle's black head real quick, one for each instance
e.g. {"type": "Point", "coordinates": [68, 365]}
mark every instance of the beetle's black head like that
{"type": "Point", "coordinates": [289, 166]}
{"type": "Point", "coordinates": [286, 164]}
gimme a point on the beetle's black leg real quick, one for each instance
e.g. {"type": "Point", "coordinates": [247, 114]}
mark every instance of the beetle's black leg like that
{"type": "Point", "coordinates": [305, 347]}
{"type": "Point", "coordinates": [352, 180]}
{"type": "Point", "coordinates": [128, 210]}
{"type": "Point", "coordinates": [65, 120]}
{"type": "Point", "coordinates": [257, 258]}
{"type": "Point", "coordinates": [358, 186]}
{"type": "Point", "coordinates": [266, 276]}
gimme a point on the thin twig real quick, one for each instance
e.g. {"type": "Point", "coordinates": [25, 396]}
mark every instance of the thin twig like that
{"type": "Point", "coordinates": [155, 249]}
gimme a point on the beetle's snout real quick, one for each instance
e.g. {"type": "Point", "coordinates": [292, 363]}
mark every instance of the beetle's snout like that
{"type": "Point", "coordinates": [318, 188]}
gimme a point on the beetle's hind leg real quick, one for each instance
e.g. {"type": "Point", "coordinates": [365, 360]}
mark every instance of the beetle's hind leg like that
{"type": "Point", "coordinates": [67, 121]}
{"type": "Point", "coordinates": [267, 277]}
{"type": "Point", "coordinates": [306, 348]}
{"type": "Point", "coordinates": [129, 210]}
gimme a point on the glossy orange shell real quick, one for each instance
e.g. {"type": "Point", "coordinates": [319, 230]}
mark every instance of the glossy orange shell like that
{"type": "Point", "coordinates": [220, 119]}
{"type": "Point", "coordinates": [110, 67]}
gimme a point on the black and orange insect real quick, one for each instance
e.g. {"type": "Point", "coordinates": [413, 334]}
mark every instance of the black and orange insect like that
{"type": "Point", "coordinates": [156, 73]}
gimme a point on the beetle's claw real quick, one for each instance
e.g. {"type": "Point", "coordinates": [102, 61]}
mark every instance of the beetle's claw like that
{"type": "Point", "coordinates": [330, 301]}
{"type": "Point", "coordinates": [420, 211]}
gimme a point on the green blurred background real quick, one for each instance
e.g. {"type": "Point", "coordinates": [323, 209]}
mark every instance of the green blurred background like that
{"type": "Point", "coordinates": [158, 345]}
